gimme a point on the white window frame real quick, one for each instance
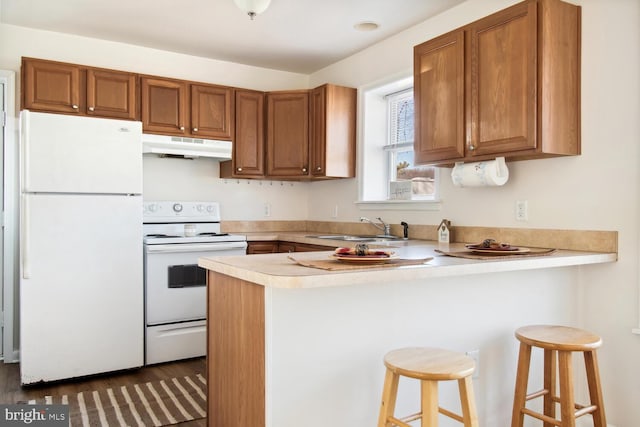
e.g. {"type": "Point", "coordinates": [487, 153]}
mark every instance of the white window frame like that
{"type": "Point", "coordinates": [373, 164]}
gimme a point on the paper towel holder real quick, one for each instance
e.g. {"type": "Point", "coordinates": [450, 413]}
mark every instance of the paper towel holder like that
{"type": "Point", "coordinates": [488, 173]}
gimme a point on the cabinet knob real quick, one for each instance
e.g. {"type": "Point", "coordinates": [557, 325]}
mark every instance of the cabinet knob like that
{"type": "Point", "coordinates": [181, 127]}
{"type": "Point", "coordinates": [471, 148]}
{"type": "Point", "coordinates": [319, 168]}
{"type": "Point", "coordinates": [195, 129]}
{"type": "Point", "coordinates": [239, 169]}
{"type": "Point", "coordinates": [304, 169]}
{"type": "Point", "coordinates": [74, 106]}
{"type": "Point", "coordinates": [91, 109]}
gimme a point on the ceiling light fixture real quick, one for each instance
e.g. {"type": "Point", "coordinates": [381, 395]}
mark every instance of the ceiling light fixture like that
{"type": "Point", "coordinates": [366, 26]}
{"type": "Point", "coordinates": [252, 7]}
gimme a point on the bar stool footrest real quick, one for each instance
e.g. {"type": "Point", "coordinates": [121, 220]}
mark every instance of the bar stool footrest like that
{"type": "Point", "coordinates": [537, 394]}
{"type": "Point", "coordinates": [402, 422]}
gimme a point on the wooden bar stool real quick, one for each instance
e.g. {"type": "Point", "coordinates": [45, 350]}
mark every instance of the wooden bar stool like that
{"type": "Point", "coordinates": [429, 365]}
{"type": "Point", "coordinates": [558, 343]}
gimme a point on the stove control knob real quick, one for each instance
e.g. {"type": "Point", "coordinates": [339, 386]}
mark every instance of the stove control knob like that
{"type": "Point", "coordinates": [152, 207]}
{"type": "Point", "coordinates": [177, 207]}
{"type": "Point", "coordinates": [200, 208]}
{"type": "Point", "coordinates": [210, 208]}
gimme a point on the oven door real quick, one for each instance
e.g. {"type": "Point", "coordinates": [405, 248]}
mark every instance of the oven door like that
{"type": "Point", "coordinates": [175, 287]}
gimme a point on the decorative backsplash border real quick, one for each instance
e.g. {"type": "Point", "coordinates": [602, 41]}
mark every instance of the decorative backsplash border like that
{"type": "Point", "coordinates": [578, 240]}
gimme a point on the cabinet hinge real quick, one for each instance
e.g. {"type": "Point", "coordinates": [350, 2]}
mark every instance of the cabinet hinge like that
{"type": "Point", "coordinates": [4, 118]}
{"type": "Point", "coordinates": [1, 319]}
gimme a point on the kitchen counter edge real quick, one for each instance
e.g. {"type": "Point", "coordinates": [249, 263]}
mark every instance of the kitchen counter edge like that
{"type": "Point", "coordinates": [279, 271]}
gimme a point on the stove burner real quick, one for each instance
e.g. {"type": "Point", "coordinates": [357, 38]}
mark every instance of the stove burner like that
{"type": "Point", "coordinates": [159, 235]}
{"type": "Point", "coordinates": [213, 234]}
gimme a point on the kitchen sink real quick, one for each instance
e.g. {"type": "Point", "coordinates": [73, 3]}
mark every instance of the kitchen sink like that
{"type": "Point", "coordinates": [351, 238]}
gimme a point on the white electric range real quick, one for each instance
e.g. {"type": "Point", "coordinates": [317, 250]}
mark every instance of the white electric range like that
{"type": "Point", "coordinates": [176, 234]}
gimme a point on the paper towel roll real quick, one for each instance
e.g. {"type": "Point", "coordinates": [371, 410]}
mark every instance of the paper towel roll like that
{"type": "Point", "coordinates": [480, 174]}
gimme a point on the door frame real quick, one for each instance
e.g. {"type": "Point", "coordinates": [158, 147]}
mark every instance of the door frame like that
{"type": "Point", "coordinates": [10, 214]}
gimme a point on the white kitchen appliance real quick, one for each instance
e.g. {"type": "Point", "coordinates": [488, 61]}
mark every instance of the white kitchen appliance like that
{"type": "Point", "coordinates": [176, 234]}
{"type": "Point", "coordinates": [180, 146]}
{"type": "Point", "coordinates": [81, 263]}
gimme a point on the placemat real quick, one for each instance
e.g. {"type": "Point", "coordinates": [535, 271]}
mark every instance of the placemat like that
{"type": "Point", "coordinates": [335, 265]}
{"type": "Point", "coordinates": [473, 255]}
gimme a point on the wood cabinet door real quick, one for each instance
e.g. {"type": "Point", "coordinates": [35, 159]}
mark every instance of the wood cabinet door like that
{"type": "Point", "coordinates": [439, 98]}
{"type": "Point", "coordinates": [503, 75]}
{"type": "Point", "coordinates": [318, 130]}
{"type": "Point", "coordinates": [305, 247]}
{"type": "Point", "coordinates": [211, 108]}
{"type": "Point", "coordinates": [112, 94]}
{"type": "Point", "coordinates": [164, 106]}
{"type": "Point", "coordinates": [51, 86]}
{"type": "Point", "coordinates": [248, 142]}
{"type": "Point", "coordinates": [262, 247]}
{"type": "Point", "coordinates": [333, 131]}
{"type": "Point", "coordinates": [288, 134]}
{"type": "Point", "coordinates": [285, 247]}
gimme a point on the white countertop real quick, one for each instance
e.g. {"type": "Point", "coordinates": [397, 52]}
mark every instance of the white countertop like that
{"type": "Point", "coordinates": [277, 270]}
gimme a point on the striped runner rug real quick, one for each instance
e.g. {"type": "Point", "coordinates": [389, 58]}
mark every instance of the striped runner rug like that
{"type": "Point", "coordinates": [158, 403]}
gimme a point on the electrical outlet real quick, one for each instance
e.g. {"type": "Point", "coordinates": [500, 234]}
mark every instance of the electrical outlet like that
{"type": "Point", "coordinates": [267, 209]}
{"type": "Point", "coordinates": [475, 355]}
{"type": "Point", "coordinates": [334, 214]}
{"type": "Point", "coordinates": [522, 210]}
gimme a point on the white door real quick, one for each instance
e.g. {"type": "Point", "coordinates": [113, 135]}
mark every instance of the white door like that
{"type": "Point", "coordinates": [81, 291]}
{"type": "Point", "coordinates": [58, 149]}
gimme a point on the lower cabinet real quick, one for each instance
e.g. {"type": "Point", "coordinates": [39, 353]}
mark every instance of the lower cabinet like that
{"type": "Point", "coordinates": [266, 247]}
{"type": "Point", "coordinates": [273, 246]}
{"type": "Point", "coordinates": [304, 247]}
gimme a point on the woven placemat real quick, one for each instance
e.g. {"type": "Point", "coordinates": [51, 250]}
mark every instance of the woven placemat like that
{"type": "Point", "coordinates": [473, 255]}
{"type": "Point", "coordinates": [335, 265]}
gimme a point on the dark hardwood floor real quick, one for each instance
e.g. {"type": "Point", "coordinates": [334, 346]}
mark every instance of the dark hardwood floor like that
{"type": "Point", "coordinates": [12, 392]}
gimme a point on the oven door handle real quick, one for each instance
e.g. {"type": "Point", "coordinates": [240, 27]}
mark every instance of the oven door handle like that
{"type": "Point", "coordinates": [195, 247]}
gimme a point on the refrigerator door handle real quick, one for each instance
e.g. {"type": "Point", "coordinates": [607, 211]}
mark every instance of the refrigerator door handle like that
{"type": "Point", "coordinates": [24, 237]}
{"type": "Point", "coordinates": [24, 146]}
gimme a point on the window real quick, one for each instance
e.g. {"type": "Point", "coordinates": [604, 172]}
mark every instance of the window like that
{"type": "Point", "coordinates": [406, 179]}
{"type": "Point", "coordinates": [389, 173]}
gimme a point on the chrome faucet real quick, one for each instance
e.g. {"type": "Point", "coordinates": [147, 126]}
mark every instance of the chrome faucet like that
{"type": "Point", "coordinates": [386, 228]}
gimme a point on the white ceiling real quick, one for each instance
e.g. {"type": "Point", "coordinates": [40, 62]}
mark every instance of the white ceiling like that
{"type": "Point", "coordinates": [292, 35]}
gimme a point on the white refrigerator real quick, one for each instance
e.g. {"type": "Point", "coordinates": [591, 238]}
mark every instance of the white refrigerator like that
{"type": "Point", "coordinates": [81, 259]}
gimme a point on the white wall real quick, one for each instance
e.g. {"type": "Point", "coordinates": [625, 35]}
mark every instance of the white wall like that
{"type": "Point", "coordinates": [597, 190]}
{"type": "Point", "coordinates": [240, 199]}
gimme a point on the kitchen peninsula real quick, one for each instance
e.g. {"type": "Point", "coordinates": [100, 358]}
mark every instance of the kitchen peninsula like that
{"type": "Point", "coordinates": [290, 345]}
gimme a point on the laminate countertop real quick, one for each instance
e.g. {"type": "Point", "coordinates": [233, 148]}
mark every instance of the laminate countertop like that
{"type": "Point", "coordinates": [279, 271]}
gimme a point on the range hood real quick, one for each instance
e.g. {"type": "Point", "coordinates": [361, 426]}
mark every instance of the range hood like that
{"type": "Point", "coordinates": [178, 146]}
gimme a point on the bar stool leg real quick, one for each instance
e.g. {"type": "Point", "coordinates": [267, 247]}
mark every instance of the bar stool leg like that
{"type": "Point", "coordinates": [522, 380]}
{"type": "Point", "coordinates": [567, 399]}
{"type": "Point", "coordinates": [595, 389]}
{"type": "Point", "coordinates": [468, 402]}
{"type": "Point", "coordinates": [429, 403]}
{"type": "Point", "coordinates": [389, 394]}
{"type": "Point", "coordinates": [549, 385]}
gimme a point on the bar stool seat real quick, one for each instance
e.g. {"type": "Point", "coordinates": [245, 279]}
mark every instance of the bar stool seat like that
{"type": "Point", "coordinates": [429, 365]}
{"type": "Point", "coordinates": [558, 343]}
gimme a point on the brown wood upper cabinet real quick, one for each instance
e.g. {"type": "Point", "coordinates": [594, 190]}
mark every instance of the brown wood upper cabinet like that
{"type": "Point", "coordinates": [74, 89]}
{"type": "Point", "coordinates": [247, 159]}
{"type": "Point", "coordinates": [316, 127]}
{"type": "Point", "coordinates": [211, 111]}
{"type": "Point", "coordinates": [332, 112]}
{"type": "Point", "coordinates": [177, 107]}
{"type": "Point", "coordinates": [288, 134]}
{"type": "Point", "coordinates": [506, 85]}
